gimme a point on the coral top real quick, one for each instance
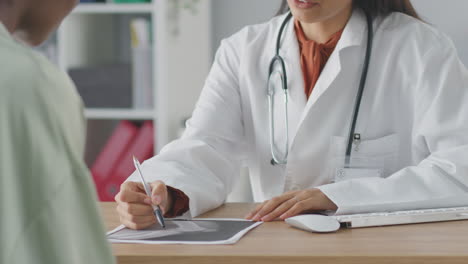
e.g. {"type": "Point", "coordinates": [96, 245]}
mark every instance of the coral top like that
{"type": "Point", "coordinates": [314, 56]}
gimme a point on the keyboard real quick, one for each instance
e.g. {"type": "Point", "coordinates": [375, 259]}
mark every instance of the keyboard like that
{"type": "Point", "coordinates": [403, 217]}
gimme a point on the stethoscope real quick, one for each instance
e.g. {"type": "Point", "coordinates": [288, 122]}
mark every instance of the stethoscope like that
{"type": "Point", "coordinates": [281, 73]}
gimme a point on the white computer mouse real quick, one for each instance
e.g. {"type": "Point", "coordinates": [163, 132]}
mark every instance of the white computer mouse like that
{"type": "Point", "coordinates": [314, 223]}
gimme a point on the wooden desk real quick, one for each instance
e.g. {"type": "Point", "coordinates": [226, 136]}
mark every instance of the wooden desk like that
{"type": "Point", "coordinates": [276, 242]}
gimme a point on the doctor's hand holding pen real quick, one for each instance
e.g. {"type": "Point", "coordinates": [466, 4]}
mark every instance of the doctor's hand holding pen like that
{"type": "Point", "coordinates": [291, 204]}
{"type": "Point", "coordinates": [135, 207]}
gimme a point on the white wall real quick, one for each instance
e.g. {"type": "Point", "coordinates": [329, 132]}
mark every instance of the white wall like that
{"type": "Point", "coordinates": [450, 16]}
{"type": "Point", "coordinates": [229, 16]}
{"type": "Point", "coordinates": [190, 53]}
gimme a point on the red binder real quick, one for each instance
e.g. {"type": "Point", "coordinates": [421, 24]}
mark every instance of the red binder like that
{"type": "Point", "coordinates": [109, 157]}
{"type": "Point", "coordinates": [141, 147]}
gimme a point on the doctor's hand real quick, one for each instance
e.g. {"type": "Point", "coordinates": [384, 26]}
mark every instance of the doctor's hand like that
{"type": "Point", "coordinates": [291, 204]}
{"type": "Point", "coordinates": [135, 207]}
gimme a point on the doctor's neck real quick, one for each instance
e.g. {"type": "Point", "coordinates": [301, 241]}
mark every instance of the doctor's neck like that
{"type": "Point", "coordinates": [321, 31]}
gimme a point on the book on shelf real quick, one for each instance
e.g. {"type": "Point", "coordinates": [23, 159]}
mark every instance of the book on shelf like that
{"type": "Point", "coordinates": [109, 157]}
{"type": "Point", "coordinates": [92, 1]}
{"type": "Point", "coordinates": [114, 163]}
{"type": "Point", "coordinates": [104, 86]}
{"type": "Point", "coordinates": [142, 147]}
{"type": "Point", "coordinates": [140, 32]}
{"type": "Point", "coordinates": [132, 1]}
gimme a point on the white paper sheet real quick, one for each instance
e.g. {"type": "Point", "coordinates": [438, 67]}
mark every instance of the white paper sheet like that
{"type": "Point", "coordinates": [207, 231]}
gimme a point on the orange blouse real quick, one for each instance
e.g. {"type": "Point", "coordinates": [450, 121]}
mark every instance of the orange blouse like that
{"type": "Point", "coordinates": [314, 56]}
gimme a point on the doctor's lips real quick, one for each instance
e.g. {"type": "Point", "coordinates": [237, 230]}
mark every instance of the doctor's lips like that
{"type": "Point", "coordinates": [305, 3]}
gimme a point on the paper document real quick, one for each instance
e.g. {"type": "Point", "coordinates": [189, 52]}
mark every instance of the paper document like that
{"type": "Point", "coordinates": [201, 231]}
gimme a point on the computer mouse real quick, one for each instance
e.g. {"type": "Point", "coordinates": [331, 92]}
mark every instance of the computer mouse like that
{"type": "Point", "coordinates": [314, 223]}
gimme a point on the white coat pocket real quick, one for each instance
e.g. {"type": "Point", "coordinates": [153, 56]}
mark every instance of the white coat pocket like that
{"type": "Point", "coordinates": [379, 155]}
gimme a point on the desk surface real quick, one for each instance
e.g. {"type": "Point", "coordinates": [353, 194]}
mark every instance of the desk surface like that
{"type": "Point", "coordinates": [276, 242]}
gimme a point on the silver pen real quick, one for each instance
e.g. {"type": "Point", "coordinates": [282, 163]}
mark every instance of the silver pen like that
{"type": "Point", "coordinates": [156, 209]}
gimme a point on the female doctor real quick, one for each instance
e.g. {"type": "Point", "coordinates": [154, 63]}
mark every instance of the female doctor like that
{"type": "Point", "coordinates": [347, 105]}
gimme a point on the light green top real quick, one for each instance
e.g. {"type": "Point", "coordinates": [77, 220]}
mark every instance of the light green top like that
{"type": "Point", "coordinates": [48, 210]}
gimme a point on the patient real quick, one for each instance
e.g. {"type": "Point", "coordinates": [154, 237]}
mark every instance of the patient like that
{"type": "Point", "coordinates": [48, 212]}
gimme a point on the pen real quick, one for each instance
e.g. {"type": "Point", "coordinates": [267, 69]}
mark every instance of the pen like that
{"type": "Point", "coordinates": [156, 209]}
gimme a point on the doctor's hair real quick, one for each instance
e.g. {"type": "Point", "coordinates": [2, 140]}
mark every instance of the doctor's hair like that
{"type": "Point", "coordinates": [374, 8]}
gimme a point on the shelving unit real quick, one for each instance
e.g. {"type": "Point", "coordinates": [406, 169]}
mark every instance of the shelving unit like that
{"type": "Point", "coordinates": [119, 114]}
{"type": "Point", "coordinates": [112, 8]}
{"type": "Point", "coordinates": [98, 33]}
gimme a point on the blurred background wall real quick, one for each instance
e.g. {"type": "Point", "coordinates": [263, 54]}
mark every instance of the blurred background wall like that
{"type": "Point", "coordinates": [450, 16]}
{"type": "Point", "coordinates": [230, 16]}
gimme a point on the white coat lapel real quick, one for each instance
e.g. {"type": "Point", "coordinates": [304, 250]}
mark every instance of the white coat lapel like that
{"type": "Point", "coordinates": [291, 52]}
{"type": "Point", "coordinates": [352, 36]}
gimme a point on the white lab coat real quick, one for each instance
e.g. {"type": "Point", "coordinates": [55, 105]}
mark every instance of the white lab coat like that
{"type": "Point", "coordinates": [414, 117]}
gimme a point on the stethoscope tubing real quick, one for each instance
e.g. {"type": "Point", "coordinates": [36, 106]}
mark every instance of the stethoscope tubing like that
{"type": "Point", "coordinates": [362, 85]}
{"type": "Point", "coordinates": [352, 131]}
{"type": "Point", "coordinates": [284, 82]}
